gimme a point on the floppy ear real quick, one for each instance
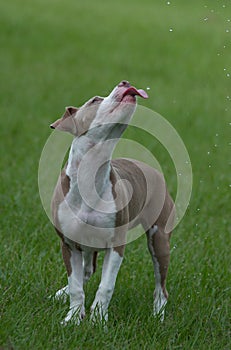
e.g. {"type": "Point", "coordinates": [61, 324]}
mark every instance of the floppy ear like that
{"type": "Point", "coordinates": [67, 122]}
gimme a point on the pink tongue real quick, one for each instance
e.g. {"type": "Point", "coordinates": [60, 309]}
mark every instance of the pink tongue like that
{"type": "Point", "coordinates": [142, 93]}
{"type": "Point", "coordinates": [133, 91]}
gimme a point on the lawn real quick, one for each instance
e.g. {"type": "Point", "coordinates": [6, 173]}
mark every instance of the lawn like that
{"type": "Point", "coordinates": [56, 53]}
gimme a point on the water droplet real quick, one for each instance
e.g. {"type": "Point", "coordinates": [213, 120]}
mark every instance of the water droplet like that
{"type": "Point", "coordinates": [206, 19]}
{"type": "Point", "coordinates": [227, 30]}
{"type": "Point", "coordinates": [208, 152]}
{"type": "Point", "coordinates": [224, 68]}
{"type": "Point", "coordinates": [217, 135]}
{"type": "Point", "coordinates": [224, 46]}
{"type": "Point", "coordinates": [198, 209]}
{"type": "Point", "coordinates": [218, 54]}
{"type": "Point", "coordinates": [170, 29]}
{"type": "Point", "coordinates": [168, 2]}
{"type": "Point", "coordinates": [215, 145]}
{"type": "Point", "coordinates": [223, 6]}
{"type": "Point", "coordinates": [210, 165]}
{"type": "Point", "coordinates": [228, 20]}
{"type": "Point", "coordinates": [228, 75]}
{"type": "Point", "coordinates": [180, 174]}
{"type": "Point", "coordinates": [230, 185]}
{"type": "Point", "coordinates": [228, 97]}
{"type": "Point", "coordinates": [147, 88]}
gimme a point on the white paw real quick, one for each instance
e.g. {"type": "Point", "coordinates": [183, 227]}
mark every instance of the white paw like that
{"type": "Point", "coordinates": [62, 294]}
{"type": "Point", "coordinates": [75, 315]}
{"type": "Point", "coordinates": [99, 316]}
{"type": "Point", "coordinates": [160, 302]}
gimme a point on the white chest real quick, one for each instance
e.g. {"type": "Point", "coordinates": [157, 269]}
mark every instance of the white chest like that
{"type": "Point", "coordinates": [89, 228]}
{"type": "Point", "coordinates": [88, 213]}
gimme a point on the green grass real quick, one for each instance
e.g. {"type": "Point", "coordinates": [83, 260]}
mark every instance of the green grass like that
{"type": "Point", "coordinates": [56, 53]}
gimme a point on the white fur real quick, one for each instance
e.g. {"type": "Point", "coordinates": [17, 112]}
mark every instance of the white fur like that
{"type": "Point", "coordinates": [83, 212]}
{"type": "Point", "coordinates": [111, 266]}
{"type": "Point", "coordinates": [76, 292]}
{"type": "Point", "coordinates": [114, 110]}
{"type": "Point", "coordinates": [62, 294]}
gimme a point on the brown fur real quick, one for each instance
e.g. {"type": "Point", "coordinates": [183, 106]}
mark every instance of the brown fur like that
{"type": "Point", "coordinates": [66, 252]}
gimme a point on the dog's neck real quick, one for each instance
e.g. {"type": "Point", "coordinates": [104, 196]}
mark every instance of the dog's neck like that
{"type": "Point", "coordinates": [89, 164]}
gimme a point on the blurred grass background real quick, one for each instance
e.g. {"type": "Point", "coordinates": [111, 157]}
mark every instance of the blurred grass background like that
{"type": "Point", "coordinates": [56, 53]}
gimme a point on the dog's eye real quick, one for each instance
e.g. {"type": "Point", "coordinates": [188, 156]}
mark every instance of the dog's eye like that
{"type": "Point", "coordinates": [96, 99]}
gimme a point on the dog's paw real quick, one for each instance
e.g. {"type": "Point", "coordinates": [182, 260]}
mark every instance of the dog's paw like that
{"type": "Point", "coordinates": [62, 294]}
{"type": "Point", "coordinates": [75, 316]}
{"type": "Point", "coordinates": [99, 317]}
{"type": "Point", "coordinates": [159, 314]}
{"type": "Point", "coordinates": [160, 302]}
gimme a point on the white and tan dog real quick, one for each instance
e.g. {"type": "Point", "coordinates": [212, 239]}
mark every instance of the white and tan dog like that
{"type": "Point", "coordinates": [97, 200]}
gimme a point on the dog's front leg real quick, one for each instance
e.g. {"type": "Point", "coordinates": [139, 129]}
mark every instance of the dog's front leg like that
{"type": "Point", "coordinates": [111, 266]}
{"type": "Point", "coordinates": [75, 287]}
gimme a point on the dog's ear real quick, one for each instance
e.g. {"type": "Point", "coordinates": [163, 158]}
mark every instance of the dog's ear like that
{"type": "Point", "coordinates": [67, 122]}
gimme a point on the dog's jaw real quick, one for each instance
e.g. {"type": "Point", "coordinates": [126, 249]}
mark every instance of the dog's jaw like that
{"type": "Point", "coordinates": [119, 105]}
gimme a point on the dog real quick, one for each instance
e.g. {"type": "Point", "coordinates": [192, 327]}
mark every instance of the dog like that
{"type": "Point", "coordinates": [97, 199]}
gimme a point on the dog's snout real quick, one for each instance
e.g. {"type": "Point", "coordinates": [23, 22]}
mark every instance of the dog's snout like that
{"type": "Point", "coordinates": [124, 83]}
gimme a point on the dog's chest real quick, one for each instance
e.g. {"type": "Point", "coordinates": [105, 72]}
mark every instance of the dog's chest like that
{"type": "Point", "coordinates": [88, 225]}
{"type": "Point", "coordinates": [93, 229]}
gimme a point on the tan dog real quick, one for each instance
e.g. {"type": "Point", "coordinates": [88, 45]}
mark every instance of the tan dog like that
{"type": "Point", "coordinates": [97, 200]}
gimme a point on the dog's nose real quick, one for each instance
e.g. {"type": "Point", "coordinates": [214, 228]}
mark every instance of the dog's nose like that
{"type": "Point", "coordinates": [124, 83]}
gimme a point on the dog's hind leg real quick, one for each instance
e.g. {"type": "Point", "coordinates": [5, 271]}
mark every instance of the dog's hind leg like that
{"type": "Point", "coordinates": [89, 264]}
{"type": "Point", "coordinates": [158, 245]}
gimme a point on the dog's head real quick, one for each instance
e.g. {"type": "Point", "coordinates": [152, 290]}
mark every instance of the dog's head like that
{"type": "Point", "coordinates": [117, 107]}
{"type": "Point", "coordinates": [78, 120]}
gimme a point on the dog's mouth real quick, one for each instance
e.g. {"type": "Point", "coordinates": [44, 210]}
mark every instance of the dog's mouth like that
{"type": "Point", "coordinates": [125, 94]}
{"type": "Point", "coordinates": [129, 94]}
